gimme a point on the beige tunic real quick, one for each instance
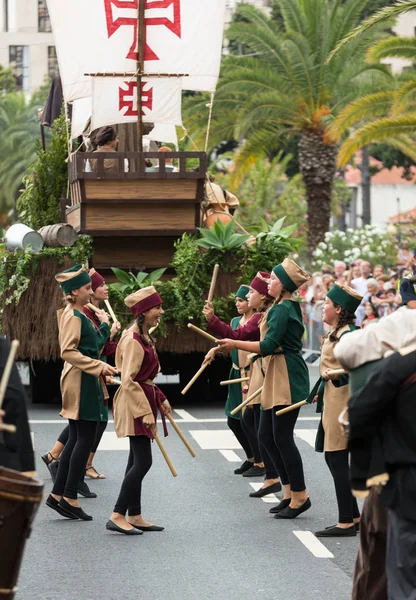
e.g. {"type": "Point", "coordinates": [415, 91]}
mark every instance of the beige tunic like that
{"type": "Point", "coordinates": [75, 364]}
{"type": "Point", "coordinates": [335, 398]}
{"type": "Point", "coordinates": [276, 386]}
{"type": "Point", "coordinates": [130, 401]}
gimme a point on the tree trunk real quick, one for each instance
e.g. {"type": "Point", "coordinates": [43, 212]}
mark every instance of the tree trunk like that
{"type": "Point", "coordinates": [317, 162]}
{"type": "Point", "coordinates": [366, 186]}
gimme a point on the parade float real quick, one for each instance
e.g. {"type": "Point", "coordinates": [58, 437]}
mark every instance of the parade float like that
{"type": "Point", "coordinates": [136, 217]}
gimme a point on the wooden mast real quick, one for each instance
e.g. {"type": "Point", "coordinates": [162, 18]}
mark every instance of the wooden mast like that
{"type": "Point", "coordinates": [141, 33]}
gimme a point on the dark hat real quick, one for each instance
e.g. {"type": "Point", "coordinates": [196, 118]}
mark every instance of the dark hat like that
{"type": "Point", "coordinates": [73, 278]}
{"type": "Point", "coordinates": [344, 296]}
{"type": "Point", "coordinates": [407, 291]}
{"type": "Point", "coordinates": [242, 292]}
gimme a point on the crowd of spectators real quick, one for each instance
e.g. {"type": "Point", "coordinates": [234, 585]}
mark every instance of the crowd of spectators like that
{"type": "Point", "coordinates": [378, 286]}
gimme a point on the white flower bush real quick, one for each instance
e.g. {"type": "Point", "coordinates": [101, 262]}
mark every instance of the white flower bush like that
{"type": "Point", "coordinates": [369, 243]}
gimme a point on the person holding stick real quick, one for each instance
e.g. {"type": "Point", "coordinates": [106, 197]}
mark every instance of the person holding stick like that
{"type": "Point", "coordinates": [99, 294]}
{"type": "Point", "coordinates": [259, 300]}
{"type": "Point", "coordinates": [331, 393]}
{"type": "Point", "coordinates": [286, 382]}
{"type": "Point", "coordinates": [136, 404]}
{"type": "Point", "coordinates": [82, 388]}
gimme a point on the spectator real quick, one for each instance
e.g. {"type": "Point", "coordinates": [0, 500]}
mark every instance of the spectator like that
{"type": "Point", "coordinates": [371, 314]}
{"type": "Point", "coordinates": [377, 271]}
{"type": "Point", "coordinates": [339, 271]}
{"type": "Point", "coordinates": [360, 285]}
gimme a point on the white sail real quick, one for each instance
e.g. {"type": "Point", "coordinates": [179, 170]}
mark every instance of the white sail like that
{"type": "Point", "coordinates": [114, 100]}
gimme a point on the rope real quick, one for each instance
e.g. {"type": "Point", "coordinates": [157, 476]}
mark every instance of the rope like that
{"type": "Point", "coordinates": [211, 105]}
{"type": "Point", "coordinates": [69, 143]}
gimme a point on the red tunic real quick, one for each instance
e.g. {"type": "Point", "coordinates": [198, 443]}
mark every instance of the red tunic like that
{"type": "Point", "coordinates": [248, 332]}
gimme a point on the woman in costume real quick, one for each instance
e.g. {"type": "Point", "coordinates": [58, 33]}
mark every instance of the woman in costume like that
{"type": "Point", "coordinates": [82, 388]}
{"type": "Point", "coordinates": [99, 294]}
{"type": "Point", "coordinates": [136, 404]}
{"type": "Point", "coordinates": [286, 382]}
{"type": "Point", "coordinates": [258, 299]}
{"type": "Point", "coordinates": [332, 393]}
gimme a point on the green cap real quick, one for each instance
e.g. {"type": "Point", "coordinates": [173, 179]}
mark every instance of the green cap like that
{"type": "Point", "coordinates": [345, 296]}
{"type": "Point", "coordinates": [73, 278]}
{"type": "Point", "coordinates": [242, 292]}
{"type": "Point", "coordinates": [291, 274]}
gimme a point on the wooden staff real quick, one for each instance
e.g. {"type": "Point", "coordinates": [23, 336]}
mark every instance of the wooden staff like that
{"type": "Point", "coordinates": [213, 283]}
{"type": "Point", "coordinates": [231, 381]}
{"type": "Point", "coordinates": [249, 399]}
{"type": "Point", "coordinates": [181, 435]}
{"type": "Point", "coordinates": [204, 365]}
{"type": "Point", "coordinates": [291, 407]}
{"type": "Point", "coordinates": [337, 372]}
{"type": "Point", "coordinates": [165, 455]}
{"type": "Point", "coordinates": [203, 333]}
{"type": "Point", "coordinates": [94, 308]}
{"type": "Point", "coordinates": [110, 310]}
{"type": "Point", "coordinates": [5, 380]}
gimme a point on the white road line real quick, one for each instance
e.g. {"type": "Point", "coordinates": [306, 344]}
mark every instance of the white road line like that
{"type": "Point", "coordinates": [230, 455]}
{"type": "Point", "coordinates": [184, 414]}
{"type": "Point", "coordinates": [311, 542]}
{"type": "Point", "coordinates": [110, 441]}
{"type": "Point", "coordinates": [217, 439]}
{"type": "Point", "coordinates": [32, 435]}
{"type": "Point", "coordinates": [307, 435]}
{"type": "Point", "coordinates": [270, 498]}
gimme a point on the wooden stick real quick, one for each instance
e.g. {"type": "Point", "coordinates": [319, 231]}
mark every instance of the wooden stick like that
{"type": "Point", "coordinates": [213, 283]}
{"type": "Point", "coordinates": [5, 380]}
{"type": "Point", "coordinates": [231, 381]}
{"type": "Point", "coordinates": [291, 407]}
{"type": "Point", "coordinates": [92, 307]}
{"type": "Point", "coordinates": [202, 332]}
{"type": "Point", "coordinates": [110, 310]}
{"type": "Point", "coordinates": [337, 372]}
{"type": "Point", "coordinates": [165, 455]}
{"type": "Point", "coordinates": [242, 228]}
{"type": "Point", "coordinates": [249, 399]}
{"type": "Point", "coordinates": [181, 435]}
{"type": "Point", "coordinates": [204, 365]}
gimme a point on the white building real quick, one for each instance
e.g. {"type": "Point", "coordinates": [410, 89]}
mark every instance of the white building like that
{"type": "Point", "coordinates": [231, 6]}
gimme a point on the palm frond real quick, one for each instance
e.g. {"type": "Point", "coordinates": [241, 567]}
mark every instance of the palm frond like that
{"type": "Point", "coordinates": [368, 107]}
{"type": "Point", "coordinates": [397, 47]}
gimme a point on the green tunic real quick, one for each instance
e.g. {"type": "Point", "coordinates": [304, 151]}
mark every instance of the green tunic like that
{"type": "Point", "coordinates": [234, 397]}
{"type": "Point", "coordinates": [91, 406]}
{"type": "Point", "coordinates": [288, 382]}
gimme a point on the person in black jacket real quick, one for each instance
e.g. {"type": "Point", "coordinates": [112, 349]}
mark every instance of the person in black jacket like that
{"type": "Point", "coordinates": [382, 442]}
{"type": "Point", "coordinates": [16, 450]}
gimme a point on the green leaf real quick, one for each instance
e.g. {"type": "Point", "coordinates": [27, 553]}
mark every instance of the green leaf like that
{"type": "Point", "coordinates": [154, 276]}
{"type": "Point", "coordinates": [140, 277]}
{"type": "Point", "coordinates": [122, 276]}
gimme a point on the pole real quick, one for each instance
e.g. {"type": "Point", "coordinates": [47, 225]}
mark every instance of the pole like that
{"type": "Point", "coordinates": [141, 33]}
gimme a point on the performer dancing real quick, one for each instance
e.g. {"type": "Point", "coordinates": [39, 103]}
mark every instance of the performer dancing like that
{"type": "Point", "coordinates": [136, 405]}
{"type": "Point", "coordinates": [332, 393]}
{"type": "Point", "coordinates": [51, 458]}
{"type": "Point", "coordinates": [81, 386]}
{"type": "Point", "coordinates": [286, 382]}
{"type": "Point", "coordinates": [258, 299]}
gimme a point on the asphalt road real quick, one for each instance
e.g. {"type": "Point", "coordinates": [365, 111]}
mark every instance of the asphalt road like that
{"type": "Point", "coordinates": [218, 544]}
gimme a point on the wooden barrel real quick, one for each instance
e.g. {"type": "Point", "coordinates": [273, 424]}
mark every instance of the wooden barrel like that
{"type": "Point", "coordinates": [60, 234]}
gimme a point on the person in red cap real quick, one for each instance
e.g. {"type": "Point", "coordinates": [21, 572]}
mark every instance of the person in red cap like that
{"type": "Point", "coordinates": [259, 300]}
{"type": "Point", "coordinates": [136, 405]}
{"type": "Point", "coordinates": [51, 458]}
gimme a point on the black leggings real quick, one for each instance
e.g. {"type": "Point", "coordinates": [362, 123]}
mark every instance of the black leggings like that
{"type": "Point", "coordinates": [74, 457]}
{"type": "Point", "coordinates": [101, 427]}
{"type": "Point", "coordinates": [237, 428]}
{"type": "Point", "coordinates": [248, 423]}
{"type": "Point", "coordinates": [140, 461]}
{"type": "Point", "coordinates": [276, 434]}
{"type": "Point", "coordinates": [347, 505]}
{"type": "Point", "coordinates": [251, 421]}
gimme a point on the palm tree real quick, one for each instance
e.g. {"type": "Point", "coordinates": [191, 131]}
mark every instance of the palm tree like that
{"type": "Point", "coordinates": [285, 85]}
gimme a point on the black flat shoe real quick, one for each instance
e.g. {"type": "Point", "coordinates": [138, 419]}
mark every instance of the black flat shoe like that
{"type": "Point", "coordinates": [75, 511]}
{"type": "Point", "coordinates": [54, 504]}
{"type": "Point", "coordinates": [110, 526]}
{"type": "Point", "coordinates": [337, 532]}
{"type": "Point", "coordinates": [254, 472]}
{"type": "Point", "coordinates": [48, 458]}
{"type": "Point", "coordinates": [272, 489]}
{"type": "Point", "coordinates": [282, 504]}
{"type": "Point", "coordinates": [150, 528]}
{"type": "Point", "coordinates": [292, 513]}
{"type": "Point", "coordinates": [85, 491]}
{"type": "Point", "coordinates": [357, 527]}
{"type": "Point", "coordinates": [243, 468]}
{"type": "Point", "coordinates": [53, 469]}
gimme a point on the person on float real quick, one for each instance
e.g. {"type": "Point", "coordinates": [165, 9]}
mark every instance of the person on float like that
{"type": "Point", "coordinates": [51, 458]}
{"type": "Point", "coordinates": [81, 386]}
{"type": "Point", "coordinates": [136, 404]}
{"type": "Point", "coordinates": [258, 299]}
{"type": "Point", "coordinates": [286, 382]}
{"type": "Point", "coordinates": [332, 393]}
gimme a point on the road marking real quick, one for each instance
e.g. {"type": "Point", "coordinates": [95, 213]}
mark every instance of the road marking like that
{"type": "Point", "coordinates": [110, 441]}
{"type": "Point", "coordinates": [184, 414]}
{"type": "Point", "coordinates": [215, 439]}
{"type": "Point", "coordinates": [230, 455]}
{"type": "Point", "coordinates": [269, 499]}
{"type": "Point", "coordinates": [307, 435]}
{"type": "Point", "coordinates": [32, 435]}
{"type": "Point", "coordinates": [186, 418]}
{"type": "Point", "coordinates": [311, 542]}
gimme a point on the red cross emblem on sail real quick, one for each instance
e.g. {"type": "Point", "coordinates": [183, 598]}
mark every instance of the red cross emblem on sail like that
{"type": "Point", "coordinates": [171, 18]}
{"type": "Point", "coordinates": [127, 98]}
